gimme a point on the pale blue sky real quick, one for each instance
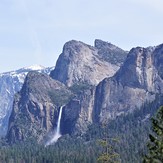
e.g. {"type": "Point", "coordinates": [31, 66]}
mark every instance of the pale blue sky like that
{"type": "Point", "coordinates": [34, 31]}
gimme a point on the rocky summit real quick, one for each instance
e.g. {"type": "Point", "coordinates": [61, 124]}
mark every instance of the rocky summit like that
{"type": "Point", "coordinates": [10, 83]}
{"type": "Point", "coordinates": [80, 62]}
{"type": "Point", "coordinates": [93, 84]}
{"type": "Point", "coordinates": [137, 81]}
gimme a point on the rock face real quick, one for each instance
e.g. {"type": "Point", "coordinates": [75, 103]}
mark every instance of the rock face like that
{"type": "Point", "coordinates": [10, 83]}
{"type": "Point", "coordinates": [110, 52]}
{"type": "Point", "coordinates": [78, 65]}
{"type": "Point", "coordinates": [77, 115]}
{"type": "Point", "coordinates": [81, 67]}
{"type": "Point", "coordinates": [137, 81]}
{"type": "Point", "coordinates": [35, 108]}
{"type": "Point", "coordinates": [83, 63]}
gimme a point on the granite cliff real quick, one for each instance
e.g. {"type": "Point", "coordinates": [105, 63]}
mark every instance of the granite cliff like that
{"type": "Point", "coordinates": [94, 84]}
{"type": "Point", "coordinates": [136, 82]}
{"type": "Point", "coordinates": [80, 62]}
{"type": "Point", "coordinates": [36, 107]}
{"type": "Point", "coordinates": [10, 83]}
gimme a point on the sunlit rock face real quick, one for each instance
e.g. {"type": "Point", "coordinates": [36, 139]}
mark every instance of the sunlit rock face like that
{"type": "Point", "coordinates": [93, 84]}
{"type": "Point", "coordinates": [80, 62]}
{"type": "Point", "coordinates": [137, 81]}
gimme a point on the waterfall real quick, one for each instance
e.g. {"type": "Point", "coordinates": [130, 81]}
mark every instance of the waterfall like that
{"type": "Point", "coordinates": [59, 122]}
{"type": "Point", "coordinates": [57, 134]}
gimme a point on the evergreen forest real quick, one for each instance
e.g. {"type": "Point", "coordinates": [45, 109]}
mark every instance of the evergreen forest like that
{"type": "Point", "coordinates": [123, 140]}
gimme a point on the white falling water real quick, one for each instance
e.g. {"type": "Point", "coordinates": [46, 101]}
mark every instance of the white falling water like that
{"type": "Point", "coordinates": [57, 134]}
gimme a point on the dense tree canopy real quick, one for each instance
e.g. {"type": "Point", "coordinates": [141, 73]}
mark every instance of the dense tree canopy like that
{"type": "Point", "coordinates": [155, 146]}
{"type": "Point", "coordinates": [96, 145]}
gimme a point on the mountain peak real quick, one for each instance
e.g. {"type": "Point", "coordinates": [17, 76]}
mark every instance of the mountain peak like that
{"type": "Point", "coordinates": [74, 47]}
{"type": "Point", "coordinates": [100, 44]}
{"type": "Point", "coordinates": [139, 68]}
{"type": "Point", "coordinates": [10, 83]}
{"type": "Point", "coordinates": [80, 62]}
{"type": "Point", "coordinates": [110, 52]}
{"type": "Point", "coordinates": [35, 67]}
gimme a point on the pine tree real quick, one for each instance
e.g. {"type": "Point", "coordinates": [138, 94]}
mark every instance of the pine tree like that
{"type": "Point", "coordinates": [108, 154]}
{"type": "Point", "coordinates": [155, 146]}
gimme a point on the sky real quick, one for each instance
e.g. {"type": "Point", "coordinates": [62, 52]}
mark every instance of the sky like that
{"type": "Point", "coordinates": [34, 31]}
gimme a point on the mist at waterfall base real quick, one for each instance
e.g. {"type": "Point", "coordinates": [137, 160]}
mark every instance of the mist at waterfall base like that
{"type": "Point", "coordinates": [57, 133]}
